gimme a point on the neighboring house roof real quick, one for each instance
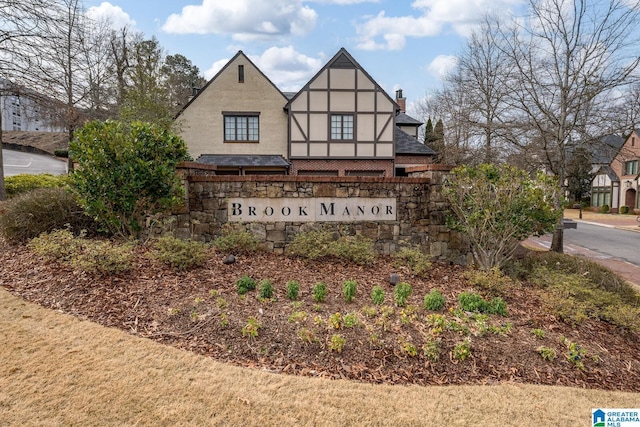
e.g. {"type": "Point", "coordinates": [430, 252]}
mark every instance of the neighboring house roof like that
{"type": "Point", "coordinates": [606, 170]}
{"type": "Point", "coordinates": [605, 151]}
{"type": "Point", "coordinates": [289, 95]}
{"type": "Point", "coordinates": [260, 160]}
{"type": "Point", "coordinates": [47, 142]}
{"type": "Point", "coordinates": [407, 144]}
{"type": "Point", "coordinates": [240, 53]}
{"type": "Point", "coordinates": [406, 120]}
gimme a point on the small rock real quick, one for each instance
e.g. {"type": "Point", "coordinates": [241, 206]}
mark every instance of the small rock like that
{"type": "Point", "coordinates": [229, 259]}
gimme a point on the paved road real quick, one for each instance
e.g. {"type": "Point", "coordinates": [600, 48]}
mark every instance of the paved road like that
{"type": "Point", "coordinates": [611, 242]}
{"type": "Point", "coordinates": [17, 162]}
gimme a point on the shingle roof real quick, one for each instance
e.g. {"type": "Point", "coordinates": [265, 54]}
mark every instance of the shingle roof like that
{"type": "Point", "coordinates": [264, 160]}
{"type": "Point", "coordinates": [606, 149]}
{"type": "Point", "coordinates": [407, 144]}
{"type": "Point", "coordinates": [404, 119]}
{"type": "Point", "coordinates": [609, 172]}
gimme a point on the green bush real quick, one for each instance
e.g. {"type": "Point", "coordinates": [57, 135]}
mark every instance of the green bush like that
{"type": "Point", "coordinates": [624, 210]}
{"type": "Point", "coordinates": [266, 289]}
{"type": "Point", "coordinates": [235, 240]}
{"type": "Point", "coordinates": [42, 210]}
{"type": "Point", "coordinates": [179, 254]}
{"type": "Point", "coordinates": [91, 256]}
{"type": "Point", "coordinates": [604, 209]}
{"type": "Point", "coordinates": [434, 300]}
{"type": "Point", "coordinates": [103, 257]}
{"type": "Point", "coordinates": [126, 172]}
{"type": "Point", "coordinates": [498, 206]}
{"type": "Point", "coordinates": [401, 293]}
{"type": "Point", "coordinates": [416, 260]}
{"type": "Point", "coordinates": [470, 301]}
{"type": "Point", "coordinates": [293, 288]}
{"type": "Point", "coordinates": [319, 244]}
{"type": "Point", "coordinates": [349, 288]}
{"type": "Point", "coordinates": [23, 183]}
{"type": "Point", "coordinates": [377, 295]}
{"type": "Point", "coordinates": [245, 284]}
{"type": "Point", "coordinates": [319, 292]}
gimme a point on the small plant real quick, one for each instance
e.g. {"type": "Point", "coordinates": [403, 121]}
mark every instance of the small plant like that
{"type": "Point", "coordinates": [173, 311]}
{"type": "Point", "coordinates": [437, 322]}
{"type": "Point", "coordinates": [431, 349]}
{"type": "Point", "coordinates": [194, 315]}
{"type": "Point", "coordinates": [415, 259]}
{"type": "Point", "coordinates": [266, 289]}
{"type": "Point", "coordinates": [462, 350]}
{"type": "Point", "coordinates": [198, 301]}
{"type": "Point", "coordinates": [369, 311]}
{"type": "Point", "coordinates": [407, 314]}
{"type": "Point", "coordinates": [434, 300]}
{"type": "Point", "coordinates": [470, 301]}
{"type": "Point", "coordinates": [575, 354]}
{"type": "Point", "coordinates": [319, 244]}
{"type": "Point", "coordinates": [335, 320]}
{"type": "Point", "coordinates": [245, 284]}
{"type": "Point", "coordinates": [298, 317]}
{"type": "Point", "coordinates": [318, 321]}
{"type": "Point", "coordinates": [235, 240]}
{"type": "Point", "coordinates": [103, 257]}
{"type": "Point", "coordinates": [350, 320]}
{"type": "Point", "coordinates": [179, 254]}
{"type": "Point", "coordinates": [307, 335]}
{"type": "Point", "coordinates": [213, 293]}
{"type": "Point", "coordinates": [224, 322]}
{"type": "Point", "coordinates": [538, 333]}
{"type": "Point", "coordinates": [251, 328]}
{"type": "Point", "coordinates": [377, 295]}
{"type": "Point", "coordinates": [503, 330]}
{"type": "Point", "coordinates": [337, 343]}
{"type": "Point", "coordinates": [349, 290]}
{"type": "Point", "coordinates": [293, 288]}
{"type": "Point", "coordinates": [319, 292]}
{"type": "Point", "coordinates": [409, 349]}
{"type": "Point", "coordinates": [401, 293]}
{"type": "Point", "coordinates": [546, 353]}
{"type": "Point", "coordinates": [221, 303]}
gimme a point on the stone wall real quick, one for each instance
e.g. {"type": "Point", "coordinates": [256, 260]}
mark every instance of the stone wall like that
{"type": "Point", "coordinates": [420, 210]}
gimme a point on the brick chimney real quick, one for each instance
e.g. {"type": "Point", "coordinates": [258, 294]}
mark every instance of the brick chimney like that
{"type": "Point", "coordinates": [402, 102]}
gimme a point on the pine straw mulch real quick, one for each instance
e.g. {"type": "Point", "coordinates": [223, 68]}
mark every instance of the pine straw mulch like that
{"type": "Point", "coordinates": [201, 311]}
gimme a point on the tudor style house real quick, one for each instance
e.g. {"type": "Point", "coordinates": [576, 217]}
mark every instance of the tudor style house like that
{"type": "Point", "coordinates": [341, 123]}
{"type": "Point", "coordinates": [616, 184]}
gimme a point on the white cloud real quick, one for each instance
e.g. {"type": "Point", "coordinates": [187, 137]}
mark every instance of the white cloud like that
{"type": "Point", "coordinates": [442, 65]}
{"type": "Point", "coordinates": [244, 19]}
{"type": "Point", "coordinates": [343, 2]}
{"type": "Point", "coordinates": [118, 17]}
{"type": "Point", "coordinates": [430, 18]}
{"type": "Point", "coordinates": [287, 69]}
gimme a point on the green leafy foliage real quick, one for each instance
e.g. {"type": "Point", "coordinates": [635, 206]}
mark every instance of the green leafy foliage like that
{"type": "Point", "coordinates": [401, 293]}
{"type": "Point", "coordinates": [415, 259]}
{"type": "Point", "coordinates": [293, 288]}
{"type": "Point", "coordinates": [245, 284]}
{"type": "Point", "coordinates": [349, 288]}
{"type": "Point", "coordinates": [434, 300]}
{"type": "Point", "coordinates": [470, 301]}
{"type": "Point", "coordinates": [179, 254]}
{"type": "Point", "coordinates": [377, 295]}
{"type": "Point", "coordinates": [235, 240]}
{"type": "Point", "coordinates": [126, 172]}
{"type": "Point", "coordinates": [320, 244]}
{"type": "Point", "coordinates": [42, 210]}
{"type": "Point", "coordinates": [462, 350]}
{"type": "Point", "coordinates": [251, 328]}
{"type": "Point", "coordinates": [23, 183]}
{"type": "Point", "coordinates": [337, 343]}
{"type": "Point", "coordinates": [547, 353]}
{"type": "Point", "coordinates": [497, 206]}
{"type": "Point", "coordinates": [319, 292]}
{"type": "Point", "coordinates": [266, 289]}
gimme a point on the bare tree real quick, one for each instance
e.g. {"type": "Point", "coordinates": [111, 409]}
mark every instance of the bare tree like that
{"type": "Point", "coordinates": [21, 22]}
{"type": "Point", "coordinates": [570, 57]}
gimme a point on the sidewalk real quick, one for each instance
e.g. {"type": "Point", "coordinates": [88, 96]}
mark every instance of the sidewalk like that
{"type": "Point", "coordinates": [628, 271]}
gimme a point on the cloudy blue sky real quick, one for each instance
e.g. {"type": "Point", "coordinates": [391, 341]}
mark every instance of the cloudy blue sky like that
{"type": "Point", "coordinates": [402, 44]}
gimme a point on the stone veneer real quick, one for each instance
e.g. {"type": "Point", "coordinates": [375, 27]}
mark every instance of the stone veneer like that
{"type": "Point", "coordinates": [420, 207]}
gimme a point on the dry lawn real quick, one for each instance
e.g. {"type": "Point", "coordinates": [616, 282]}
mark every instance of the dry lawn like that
{"type": "Point", "coordinates": [58, 370]}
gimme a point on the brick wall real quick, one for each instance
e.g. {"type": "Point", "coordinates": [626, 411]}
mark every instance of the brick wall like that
{"type": "Point", "coordinates": [402, 159]}
{"type": "Point", "coordinates": [343, 166]}
{"type": "Point", "coordinates": [420, 210]}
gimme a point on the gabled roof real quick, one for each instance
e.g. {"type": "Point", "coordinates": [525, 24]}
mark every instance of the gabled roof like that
{"type": "Point", "coordinates": [606, 170]}
{"type": "Point", "coordinates": [260, 160]}
{"type": "Point", "coordinates": [407, 144]}
{"type": "Point", "coordinates": [342, 59]}
{"type": "Point", "coordinates": [606, 149]}
{"type": "Point", "coordinates": [406, 120]}
{"type": "Point", "coordinates": [222, 70]}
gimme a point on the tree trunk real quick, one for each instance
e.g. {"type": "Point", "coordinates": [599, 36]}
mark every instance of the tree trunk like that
{"type": "Point", "coordinates": [557, 243]}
